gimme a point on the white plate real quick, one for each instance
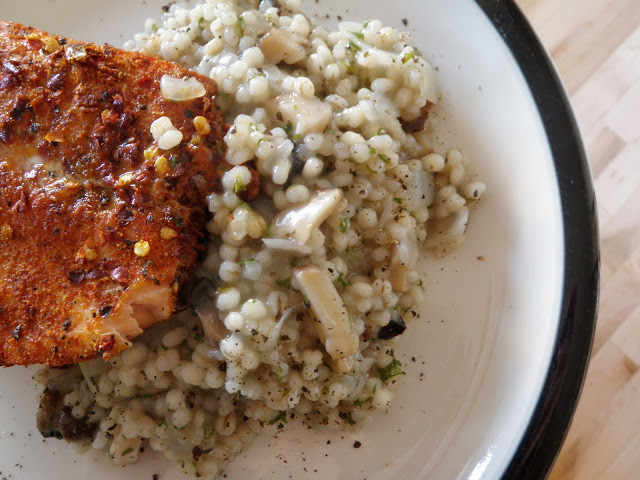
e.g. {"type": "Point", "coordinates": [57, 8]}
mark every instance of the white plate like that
{"type": "Point", "coordinates": [483, 346]}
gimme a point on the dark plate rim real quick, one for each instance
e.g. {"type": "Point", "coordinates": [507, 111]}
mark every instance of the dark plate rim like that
{"type": "Point", "coordinates": [549, 424]}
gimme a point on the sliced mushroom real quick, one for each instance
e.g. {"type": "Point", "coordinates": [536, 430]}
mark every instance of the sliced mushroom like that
{"type": "Point", "coordinates": [398, 275]}
{"type": "Point", "coordinates": [333, 324]}
{"type": "Point", "coordinates": [298, 222]}
{"type": "Point", "coordinates": [204, 303]}
{"type": "Point", "coordinates": [280, 45]}
{"type": "Point", "coordinates": [448, 230]}
{"type": "Point", "coordinates": [418, 191]}
{"type": "Point", "coordinates": [286, 245]}
{"type": "Point", "coordinates": [306, 114]}
{"type": "Point", "coordinates": [49, 412]}
{"type": "Point", "coordinates": [54, 419]}
{"type": "Point", "coordinates": [289, 313]}
{"type": "Point", "coordinates": [392, 329]}
{"type": "Point", "coordinates": [403, 254]}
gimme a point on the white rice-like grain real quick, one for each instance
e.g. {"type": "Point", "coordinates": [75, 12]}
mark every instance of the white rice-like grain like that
{"type": "Point", "coordinates": [331, 119]}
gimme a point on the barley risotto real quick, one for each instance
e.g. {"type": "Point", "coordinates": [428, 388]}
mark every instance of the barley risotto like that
{"type": "Point", "coordinates": [333, 189]}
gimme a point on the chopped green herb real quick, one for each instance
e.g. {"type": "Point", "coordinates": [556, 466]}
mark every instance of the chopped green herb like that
{"type": "Point", "coordinates": [246, 206]}
{"type": "Point", "coordinates": [208, 434]}
{"type": "Point", "coordinates": [391, 370]}
{"type": "Point", "coordinates": [279, 373]}
{"type": "Point", "coordinates": [349, 419]}
{"type": "Point", "coordinates": [262, 140]}
{"type": "Point", "coordinates": [353, 46]}
{"type": "Point", "coordinates": [344, 225]}
{"type": "Point", "coordinates": [174, 160]}
{"type": "Point", "coordinates": [240, 25]}
{"type": "Point", "coordinates": [219, 148]}
{"type": "Point", "coordinates": [238, 186]}
{"type": "Point", "coordinates": [341, 280]}
{"type": "Point", "coordinates": [349, 66]}
{"type": "Point", "coordinates": [201, 21]}
{"type": "Point", "coordinates": [360, 35]}
{"type": "Point", "coordinates": [127, 451]}
{"type": "Point", "coordinates": [286, 392]}
{"type": "Point", "coordinates": [296, 137]}
{"type": "Point", "coordinates": [366, 24]}
{"type": "Point", "coordinates": [288, 127]}
{"type": "Point", "coordinates": [281, 417]}
{"type": "Point", "coordinates": [145, 395]}
{"type": "Point", "coordinates": [397, 200]}
{"type": "Point", "coordinates": [244, 262]}
{"type": "Point", "coordinates": [329, 130]}
{"type": "Point", "coordinates": [408, 57]}
{"type": "Point", "coordinates": [375, 387]}
{"type": "Point", "coordinates": [372, 151]}
{"type": "Point", "coordinates": [384, 158]}
{"type": "Point", "coordinates": [284, 283]}
{"type": "Point", "coordinates": [380, 130]}
{"type": "Point", "coordinates": [163, 423]}
{"type": "Point", "coordinates": [361, 401]}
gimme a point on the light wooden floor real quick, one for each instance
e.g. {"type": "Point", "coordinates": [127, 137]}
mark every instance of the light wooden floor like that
{"type": "Point", "coordinates": [596, 47]}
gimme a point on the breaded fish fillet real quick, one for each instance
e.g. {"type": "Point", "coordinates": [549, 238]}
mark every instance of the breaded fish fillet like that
{"type": "Point", "coordinates": [98, 225]}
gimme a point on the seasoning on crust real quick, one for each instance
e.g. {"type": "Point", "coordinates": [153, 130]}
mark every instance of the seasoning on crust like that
{"type": "Point", "coordinates": [98, 224]}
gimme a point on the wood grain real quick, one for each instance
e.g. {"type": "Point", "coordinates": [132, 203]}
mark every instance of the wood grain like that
{"type": "Point", "coordinates": [596, 47]}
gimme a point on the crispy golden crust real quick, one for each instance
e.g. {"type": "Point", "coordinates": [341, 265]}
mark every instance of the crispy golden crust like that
{"type": "Point", "coordinates": [81, 185]}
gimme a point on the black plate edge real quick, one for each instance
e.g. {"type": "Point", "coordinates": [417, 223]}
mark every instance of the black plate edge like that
{"type": "Point", "coordinates": [556, 405]}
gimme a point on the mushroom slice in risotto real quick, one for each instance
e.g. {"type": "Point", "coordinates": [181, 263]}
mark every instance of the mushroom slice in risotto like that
{"type": "Point", "coordinates": [333, 324]}
{"type": "Point", "coordinates": [104, 170]}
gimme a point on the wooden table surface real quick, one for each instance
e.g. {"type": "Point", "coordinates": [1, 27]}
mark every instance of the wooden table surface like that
{"type": "Point", "coordinates": [596, 47]}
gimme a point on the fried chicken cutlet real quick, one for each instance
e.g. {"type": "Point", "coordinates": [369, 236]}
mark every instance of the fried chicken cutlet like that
{"type": "Point", "coordinates": [98, 224]}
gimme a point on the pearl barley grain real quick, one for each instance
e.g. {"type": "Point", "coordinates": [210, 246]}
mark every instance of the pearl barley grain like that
{"type": "Point", "coordinates": [367, 218]}
{"type": "Point", "coordinates": [258, 351]}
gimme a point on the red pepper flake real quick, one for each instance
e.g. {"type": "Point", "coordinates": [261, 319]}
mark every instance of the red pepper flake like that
{"type": "Point", "coordinates": [76, 277]}
{"type": "Point", "coordinates": [106, 344]}
{"type": "Point", "coordinates": [145, 81]}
